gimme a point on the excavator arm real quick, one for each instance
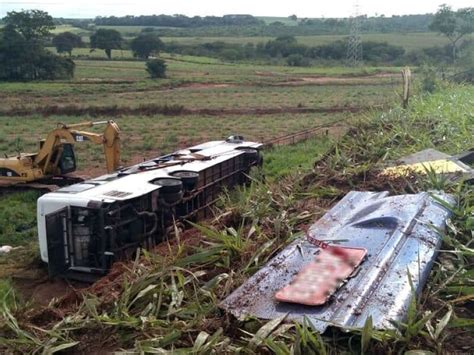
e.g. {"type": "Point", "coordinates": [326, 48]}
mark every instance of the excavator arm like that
{"type": "Point", "coordinates": [110, 139]}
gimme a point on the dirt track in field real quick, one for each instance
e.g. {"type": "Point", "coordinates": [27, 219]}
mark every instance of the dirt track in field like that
{"type": "Point", "coordinates": [170, 110]}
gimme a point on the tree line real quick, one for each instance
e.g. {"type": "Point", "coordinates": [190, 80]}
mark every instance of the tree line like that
{"type": "Point", "coordinates": [26, 34]}
{"type": "Point", "coordinates": [287, 49]}
{"type": "Point", "coordinates": [147, 44]}
{"type": "Point", "coordinates": [179, 21]}
{"type": "Point", "coordinates": [247, 25]}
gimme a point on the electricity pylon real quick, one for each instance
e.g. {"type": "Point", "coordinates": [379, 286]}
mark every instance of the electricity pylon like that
{"type": "Point", "coordinates": [354, 45]}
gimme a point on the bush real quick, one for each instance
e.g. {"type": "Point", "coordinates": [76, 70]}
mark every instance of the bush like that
{"type": "Point", "coordinates": [52, 67]}
{"type": "Point", "coordinates": [297, 60]}
{"type": "Point", "coordinates": [156, 68]}
{"type": "Point", "coordinates": [381, 52]}
{"type": "Point", "coordinates": [465, 65]}
{"type": "Point", "coordinates": [429, 78]}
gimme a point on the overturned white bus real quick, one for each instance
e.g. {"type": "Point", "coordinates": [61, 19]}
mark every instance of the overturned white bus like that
{"type": "Point", "coordinates": [84, 228]}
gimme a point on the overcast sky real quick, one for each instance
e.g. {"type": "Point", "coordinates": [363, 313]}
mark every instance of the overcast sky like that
{"type": "Point", "coordinates": [302, 8]}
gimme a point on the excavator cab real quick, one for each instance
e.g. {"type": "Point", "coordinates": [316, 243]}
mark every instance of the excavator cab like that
{"type": "Point", "coordinates": [63, 158]}
{"type": "Point", "coordinates": [56, 156]}
{"type": "Point", "coordinates": [67, 162]}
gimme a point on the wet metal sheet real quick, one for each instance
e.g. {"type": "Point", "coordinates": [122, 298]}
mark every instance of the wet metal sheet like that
{"type": "Point", "coordinates": [400, 235]}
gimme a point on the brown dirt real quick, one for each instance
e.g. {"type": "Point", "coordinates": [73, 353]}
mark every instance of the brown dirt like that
{"type": "Point", "coordinates": [190, 238]}
{"type": "Point", "coordinates": [103, 81]}
{"type": "Point", "coordinates": [110, 286]}
{"type": "Point", "coordinates": [344, 80]}
{"type": "Point", "coordinates": [171, 110]}
{"type": "Point", "coordinates": [203, 86]}
{"type": "Point", "coordinates": [35, 286]}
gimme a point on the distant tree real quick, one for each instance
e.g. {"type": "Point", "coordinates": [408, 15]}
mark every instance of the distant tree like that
{"type": "Point", "coordinates": [284, 46]}
{"type": "Point", "coordinates": [156, 68]}
{"type": "Point", "coordinates": [148, 29]}
{"type": "Point", "coordinates": [297, 60]}
{"type": "Point", "coordinates": [178, 20]}
{"type": "Point", "coordinates": [23, 56]}
{"type": "Point", "coordinates": [453, 24]}
{"type": "Point", "coordinates": [107, 40]}
{"type": "Point", "coordinates": [65, 42]}
{"type": "Point", "coordinates": [31, 24]}
{"type": "Point", "coordinates": [293, 18]}
{"type": "Point", "coordinates": [146, 44]}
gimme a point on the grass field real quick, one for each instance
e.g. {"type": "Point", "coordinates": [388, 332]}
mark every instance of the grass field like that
{"type": "Point", "coordinates": [215, 96]}
{"type": "Point", "coordinates": [285, 20]}
{"type": "Point", "coordinates": [201, 69]}
{"type": "Point", "coordinates": [69, 28]}
{"type": "Point", "coordinates": [167, 303]}
{"type": "Point", "coordinates": [195, 84]}
{"type": "Point", "coordinates": [409, 41]}
{"type": "Point", "coordinates": [145, 137]}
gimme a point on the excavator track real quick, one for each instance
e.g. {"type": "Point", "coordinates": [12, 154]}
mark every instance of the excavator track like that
{"type": "Point", "coordinates": [42, 186]}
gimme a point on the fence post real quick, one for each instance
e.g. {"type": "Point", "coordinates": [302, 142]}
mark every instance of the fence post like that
{"type": "Point", "coordinates": [406, 75]}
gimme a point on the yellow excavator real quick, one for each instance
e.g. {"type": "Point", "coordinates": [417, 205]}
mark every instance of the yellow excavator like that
{"type": "Point", "coordinates": [56, 156]}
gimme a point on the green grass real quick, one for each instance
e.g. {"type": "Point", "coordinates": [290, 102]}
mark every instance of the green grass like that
{"type": "Point", "coordinates": [148, 136]}
{"type": "Point", "coordinates": [209, 84]}
{"type": "Point", "coordinates": [97, 53]}
{"type": "Point", "coordinates": [283, 161]}
{"type": "Point", "coordinates": [18, 218]}
{"type": "Point", "coordinates": [204, 69]}
{"type": "Point", "coordinates": [219, 97]}
{"type": "Point", "coordinates": [170, 303]}
{"type": "Point", "coordinates": [285, 20]}
{"type": "Point", "coordinates": [68, 28]}
{"type": "Point", "coordinates": [409, 41]}
{"type": "Point", "coordinates": [131, 30]}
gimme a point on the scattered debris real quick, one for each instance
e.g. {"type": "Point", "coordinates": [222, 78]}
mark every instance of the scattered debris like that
{"type": "Point", "coordinates": [401, 236]}
{"type": "Point", "coordinates": [431, 160]}
{"type": "Point", "coordinates": [5, 249]}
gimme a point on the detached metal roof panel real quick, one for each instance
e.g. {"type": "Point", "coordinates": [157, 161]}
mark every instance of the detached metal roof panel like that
{"type": "Point", "coordinates": [400, 234]}
{"type": "Point", "coordinates": [457, 166]}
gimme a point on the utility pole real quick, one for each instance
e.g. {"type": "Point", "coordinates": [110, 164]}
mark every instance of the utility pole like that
{"type": "Point", "coordinates": [354, 45]}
